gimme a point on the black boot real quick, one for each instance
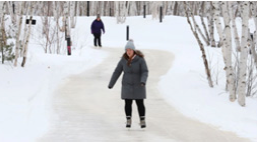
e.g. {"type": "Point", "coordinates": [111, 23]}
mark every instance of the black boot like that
{"type": "Point", "coordinates": [142, 122]}
{"type": "Point", "coordinates": [128, 123]}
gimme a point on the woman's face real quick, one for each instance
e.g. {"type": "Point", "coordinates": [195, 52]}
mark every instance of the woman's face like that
{"type": "Point", "coordinates": [130, 52]}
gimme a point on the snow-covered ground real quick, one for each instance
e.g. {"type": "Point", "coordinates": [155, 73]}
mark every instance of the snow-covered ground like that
{"type": "Point", "coordinates": [25, 92]}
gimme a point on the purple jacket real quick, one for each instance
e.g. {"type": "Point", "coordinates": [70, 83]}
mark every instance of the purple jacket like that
{"type": "Point", "coordinates": [97, 26]}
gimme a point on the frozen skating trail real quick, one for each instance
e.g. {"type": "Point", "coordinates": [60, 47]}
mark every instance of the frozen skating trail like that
{"type": "Point", "coordinates": [85, 110]}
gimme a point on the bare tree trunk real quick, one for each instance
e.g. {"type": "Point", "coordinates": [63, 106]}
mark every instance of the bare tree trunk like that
{"type": "Point", "coordinates": [187, 11]}
{"type": "Point", "coordinates": [243, 55]}
{"type": "Point", "coordinates": [210, 16]}
{"type": "Point", "coordinates": [254, 39]}
{"type": "Point", "coordinates": [31, 8]}
{"type": "Point", "coordinates": [3, 39]}
{"type": "Point", "coordinates": [2, 20]}
{"type": "Point", "coordinates": [67, 27]}
{"type": "Point", "coordinates": [227, 42]}
{"type": "Point", "coordinates": [196, 26]}
{"type": "Point", "coordinates": [133, 8]}
{"type": "Point", "coordinates": [121, 11]}
{"type": "Point", "coordinates": [26, 11]}
{"type": "Point", "coordinates": [169, 8]}
{"type": "Point", "coordinates": [38, 8]}
{"type": "Point", "coordinates": [216, 10]}
{"type": "Point", "coordinates": [18, 32]}
{"type": "Point", "coordinates": [56, 9]}
{"type": "Point", "coordinates": [10, 8]}
{"type": "Point", "coordinates": [72, 14]}
{"type": "Point", "coordinates": [233, 18]}
{"type": "Point", "coordinates": [201, 14]}
{"type": "Point", "coordinates": [154, 9]}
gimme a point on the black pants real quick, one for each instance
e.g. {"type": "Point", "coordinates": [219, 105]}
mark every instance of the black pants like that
{"type": "Point", "coordinates": [140, 105]}
{"type": "Point", "coordinates": [97, 39]}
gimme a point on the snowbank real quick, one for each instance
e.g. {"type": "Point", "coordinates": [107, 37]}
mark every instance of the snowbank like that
{"type": "Point", "coordinates": [25, 92]}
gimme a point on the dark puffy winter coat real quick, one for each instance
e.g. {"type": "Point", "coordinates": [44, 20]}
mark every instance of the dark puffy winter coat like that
{"type": "Point", "coordinates": [97, 26]}
{"type": "Point", "coordinates": [134, 78]}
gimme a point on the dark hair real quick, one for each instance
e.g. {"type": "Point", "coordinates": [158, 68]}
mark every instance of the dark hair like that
{"type": "Point", "coordinates": [137, 52]}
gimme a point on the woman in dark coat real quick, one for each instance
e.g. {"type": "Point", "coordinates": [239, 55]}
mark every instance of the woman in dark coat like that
{"type": "Point", "coordinates": [134, 80]}
{"type": "Point", "coordinates": [96, 28]}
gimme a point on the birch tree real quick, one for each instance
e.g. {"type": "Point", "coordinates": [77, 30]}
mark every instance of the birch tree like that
{"type": "Point", "coordinates": [202, 12]}
{"type": "Point", "coordinates": [2, 22]}
{"type": "Point", "coordinates": [154, 7]}
{"type": "Point", "coordinates": [18, 31]}
{"type": "Point", "coordinates": [208, 72]}
{"type": "Point", "coordinates": [206, 39]}
{"type": "Point", "coordinates": [72, 14]}
{"type": "Point", "coordinates": [121, 11]}
{"type": "Point", "coordinates": [216, 18]}
{"type": "Point", "coordinates": [67, 27]}
{"type": "Point", "coordinates": [244, 54]}
{"type": "Point", "coordinates": [25, 51]}
{"type": "Point", "coordinates": [10, 8]}
{"type": "Point", "coordinates": [227, 42]}
{"type": "Point", "coordinates": [210, 15]}
{"type": "Point", "coordinates": [169, 8]}
{"type": "Point", "coordinates": [232, 9]}
{"type": "Point", "coordinates": [254, 39]}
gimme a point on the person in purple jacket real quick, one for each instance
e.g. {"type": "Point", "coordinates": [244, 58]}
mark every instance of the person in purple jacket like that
{"type": "Point", "coordinates": [96, 28]}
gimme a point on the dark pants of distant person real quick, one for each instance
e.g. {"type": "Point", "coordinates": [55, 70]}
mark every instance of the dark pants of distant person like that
{"type": "Point", "coordinates": [140, 105]}
{"type": "Point", "coordinates": [97, 39]}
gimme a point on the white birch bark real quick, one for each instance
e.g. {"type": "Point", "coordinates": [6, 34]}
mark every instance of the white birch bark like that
{"type": "Point", "coordinates": [207, 69]}
{"type": "Point", "coordinates": [25, 51]}
{"type": "Point", "coordinates": [216, 18]}
{"type": "Point", "coordinates": [174, 7]}
{"type": "Point", "coordinates": [121, 11]}
{"type": "Point", "coordinates": [101, 8]}
{"type": "Point", "coordinates": [117, 11]}
{"type": "Point", "coordinates": [244, 54]}
{"type": "Point", "coordinates": [227, 42]}
{"type": "Point", "coordinates": [234, 27]}
{"type": "Point", "coordinates": [2, 24]}
{"type": "Point", "coordinates": [125, 11]}
{"type": "Point", "coordinates": [202, 10]}
{"type": "Point", "coordinates": [45, 26]}
{"type": "Point", "coordinates": [10, 8]}
{"type": "Point", "coordinates": [18, 32]}
{"type": "Point", "coordinates": [26, 11]}
{"type": "Point", "coordinates": [154, 8]}
{"type": "Point", "coordinates": [133, 8]}
{"type": "Point", "coordinates": [63, 18]}
{"type": "Point", "coordinates": [56, 9]}
{"type": "Point", "coordinates": [196, 26]}
{"type": "Point", "coordinates": [1, 7]}
{"type": "Point", "coordinates": [254, 40]}
{"type": "Point", "coordinates": [169, 8]}
{"type": "Point", "coordinates": [67, 27]}
{"type": "Point", "coordinates": [38, 8]}
{"type": "Point", "coordinates": [72, 14]}
{"type": "Point", "coordinates": [83, 7]}
{"type": "Point", "coordinates": [211, 30]}
{"type": "Point", "coordinates": [218, 21]}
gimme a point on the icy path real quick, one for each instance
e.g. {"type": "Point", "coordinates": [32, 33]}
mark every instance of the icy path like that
{"type": "Point", "coordinates": [86, 110]}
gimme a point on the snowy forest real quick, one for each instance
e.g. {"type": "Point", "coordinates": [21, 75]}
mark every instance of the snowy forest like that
{"type": "Point", "coordinates": [224, 25]}
{"type": "Point", "coordinates": [240, 57]}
